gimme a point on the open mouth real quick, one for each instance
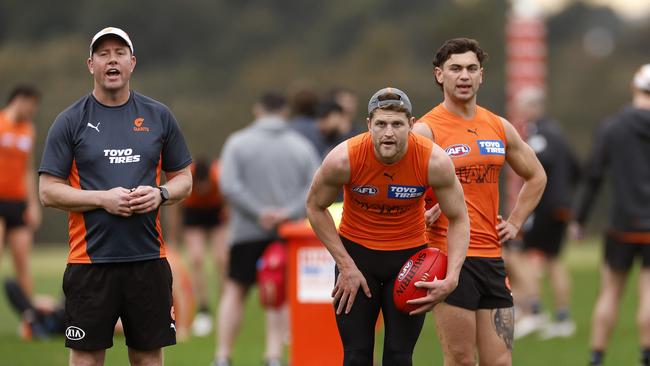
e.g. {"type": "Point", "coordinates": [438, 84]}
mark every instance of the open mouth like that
{"type": "Point", "coordinates": [388, 143]}
{"type": "Point", "coordinates": [113, 73]}
{"type": "Point", "coordinates": [464, 88]}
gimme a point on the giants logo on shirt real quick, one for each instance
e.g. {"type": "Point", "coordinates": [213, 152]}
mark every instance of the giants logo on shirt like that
{"type": "Point", "coordinates": [121, 156]}
{"type": "Point", "coordinates": [138, 127]}
{"type": "Point", "coordinates": [457, 150]}
{"type": "Point", "coordinates": [404, 192]}
{"type": "Point", "coordinates": [491, 147]}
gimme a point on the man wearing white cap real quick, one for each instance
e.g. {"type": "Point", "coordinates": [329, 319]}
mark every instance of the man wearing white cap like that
{"type": "Point", "coordinates": [102, 163]}
{"type": "Point", "coordinates": [621, 152]}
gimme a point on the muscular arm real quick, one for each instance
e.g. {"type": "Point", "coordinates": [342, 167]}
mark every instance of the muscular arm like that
{"type": "Point", "coordinates": [443, 180]}
{"type": "Point", "coordinates": [523, 161]}
{"type": "Point", "coordinates": [331, 176]}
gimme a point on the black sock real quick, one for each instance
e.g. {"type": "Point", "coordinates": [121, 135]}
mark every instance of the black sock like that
{"type": "Point", "coordinates": [536, 307]}
{"type": "Point", "coordinates": [562, 314]}
{"type": "Point", "coordinates": [596, 358]}
{"type": "Point", "coordinates": [645, 356]}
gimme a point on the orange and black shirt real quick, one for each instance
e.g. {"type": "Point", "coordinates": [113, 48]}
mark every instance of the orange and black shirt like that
{"type": "Point", "coordinates": [383, 205]}
{"type": "Point", "coordinates": [210, 197]}
{"type": "Point", "coordinates": [16, 142]}
{"type": "Point", "coordinates": [477, 148]}
{"type": "Point", "coordinates": [96, 147]}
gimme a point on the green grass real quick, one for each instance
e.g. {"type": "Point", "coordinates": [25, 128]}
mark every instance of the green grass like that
{"type": "Point", "coordinates": [48, 265]}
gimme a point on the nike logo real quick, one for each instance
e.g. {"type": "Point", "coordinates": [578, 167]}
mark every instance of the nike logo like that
{"type": "Point", "coordinates": [390, 176]}
{"type": "Point", "coordinates": [474, 131]}
{"type": "Point", "coordinates": [95, 127]}
{"type": "Point", "coordinates": [172, 326]}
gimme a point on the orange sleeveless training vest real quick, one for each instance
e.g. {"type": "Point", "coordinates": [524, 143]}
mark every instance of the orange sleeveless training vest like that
{"type": "Point", "coordinates": [383, 205]}
{"type": "Point", "coordinates": [478, 150]}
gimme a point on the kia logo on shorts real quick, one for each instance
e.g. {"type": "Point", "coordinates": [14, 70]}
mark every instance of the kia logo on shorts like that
{"type": "Point", "coordinates": [457, 150]}
{"type": "Point", "coordinates": [74, 333]}
{"type": "Point", "coordinates": [365, 190]}
{"type": "Point", "coordinates": [405, 270]}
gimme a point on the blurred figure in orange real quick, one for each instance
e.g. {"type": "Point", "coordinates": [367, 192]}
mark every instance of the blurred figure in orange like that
{"type": "Point", "coordinates": [202, 217]}
{"type": "Point", "coordinates": [621, 152]}
{"type": "Point", "coordinates": [20, 211]}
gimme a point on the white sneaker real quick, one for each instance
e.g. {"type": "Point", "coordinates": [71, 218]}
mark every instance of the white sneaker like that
{"type": "Point", "coordinates": [563, 329]}
{"type": "Point", "coordinates": [528, 324]}
{"type": "Point", "coordinates": [202, 324]}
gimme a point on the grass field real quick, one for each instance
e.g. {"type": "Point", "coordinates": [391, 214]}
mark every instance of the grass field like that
{"type": "Point", "coordinates": [49, 263]}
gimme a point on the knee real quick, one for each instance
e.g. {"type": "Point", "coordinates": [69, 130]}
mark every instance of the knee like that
{"type": "Point", "coordinates": [357, 357]}
{"type": "Point", "coordinates": [461, 357]}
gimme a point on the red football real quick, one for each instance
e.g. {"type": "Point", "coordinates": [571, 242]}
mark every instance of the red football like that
{"type": "Point", "coordinates": [422, 266]}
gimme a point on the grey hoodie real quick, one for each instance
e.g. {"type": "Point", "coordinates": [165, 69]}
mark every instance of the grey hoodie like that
{"type": "Point", "coordinates": [622, 150]}
{"type": "Point", "coordinates": [265, 165]}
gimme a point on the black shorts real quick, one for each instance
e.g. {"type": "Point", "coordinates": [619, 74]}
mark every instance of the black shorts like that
{"type": "Point", "coordinates": [242, 262]}
{"type": "Point", "coordinates": [620, 255]}
{"type": "Point", "coordinates": [204, 218]}
{"type": "Point", "coordinates": [545, 233]}
{"type": "Point", "coordinates": [482, 284]}
{"type": "Point", "coordinates": [140, 293]}
{"type": "Point", "coordinates": [13, 213]}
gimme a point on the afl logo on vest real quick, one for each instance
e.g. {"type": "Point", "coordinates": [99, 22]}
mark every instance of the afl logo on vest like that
{"type": "Point", "coordinates": [457, 150]}
{"type": "Point", "coordinates": [365, 190]}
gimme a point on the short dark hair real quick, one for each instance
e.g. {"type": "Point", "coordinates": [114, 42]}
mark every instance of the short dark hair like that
{"type": "Point", "coordinates": [24, 90]}
{"type": "Point", "coordinates": [456, 46]}
{"type": "Point", "coordinates": [304, 102]}
{"type": "Point", "coordinates": [328, 107]}
{"type": "Point", "coordinates": [392, 106]}
{"type": "Point", "coordinates": [272, 101]}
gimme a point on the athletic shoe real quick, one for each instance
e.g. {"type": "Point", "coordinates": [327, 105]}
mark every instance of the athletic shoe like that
{"type": "Point", "coordinates": [272, 362]}
{"type": "Point", "coordinates": [563, 329]}
{"type": "Point", "coordinates": [202, 324]}
{"type": "Point", "coordinates": [221, 363]}
{"type": "Point", "coordinates": [529, 324]}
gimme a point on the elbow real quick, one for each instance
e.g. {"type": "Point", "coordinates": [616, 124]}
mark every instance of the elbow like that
{"type": "Point", "coordinates": [45, 197]}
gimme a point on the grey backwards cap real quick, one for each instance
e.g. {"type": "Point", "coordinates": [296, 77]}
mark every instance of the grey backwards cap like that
{"type": "Point", "coordinates": [402, 100]}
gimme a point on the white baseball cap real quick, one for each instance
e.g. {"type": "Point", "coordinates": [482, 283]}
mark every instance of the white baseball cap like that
{"type": "Point", "coordinates": [112, 31]}
{"type": "Point", "coordinates": [642, 78]}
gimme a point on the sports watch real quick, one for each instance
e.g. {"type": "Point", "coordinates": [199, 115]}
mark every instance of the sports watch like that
{"type": "Point", "coordinates": [164, 194]}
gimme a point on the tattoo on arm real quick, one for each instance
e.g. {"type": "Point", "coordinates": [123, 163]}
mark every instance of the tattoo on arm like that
{"type": "Point", "coordinates": [503, 321]}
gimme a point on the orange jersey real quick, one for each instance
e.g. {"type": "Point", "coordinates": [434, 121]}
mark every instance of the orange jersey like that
{"type": "Point", "coordinates": [16, 141]}
{"type": "Point", "coordinates": [478, 150]}
{"type": "Point", "coordinates": [207, 196]}
{"type": "Point", "coordinates": [383, 205]}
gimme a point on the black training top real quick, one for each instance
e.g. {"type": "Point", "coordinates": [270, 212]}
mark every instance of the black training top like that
{"type": "Point", "coordinates": [560, 164]}
{"type": "Point", "coordinates": [96, 147]}
{"type": "Point", "coordinates": [622, 151]}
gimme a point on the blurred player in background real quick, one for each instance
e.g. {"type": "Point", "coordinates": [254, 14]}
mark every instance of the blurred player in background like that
{"type": "Point", "coordinates": [266, 169]}
{"type": "Point", "coordinates": [620, 153]}
{"type": "Point", "coordinates": [349, 102]}
{"type": "Point", "coordinates": [203, 220]}
{"type": "Point", "coordinates": [382, 228]}
{"type": "Point", "coordinates": [20, 211]}
{"type": "Point", "coordinates": [479, 313]}
{"type": "Point", "coordinates": [545, 230]}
